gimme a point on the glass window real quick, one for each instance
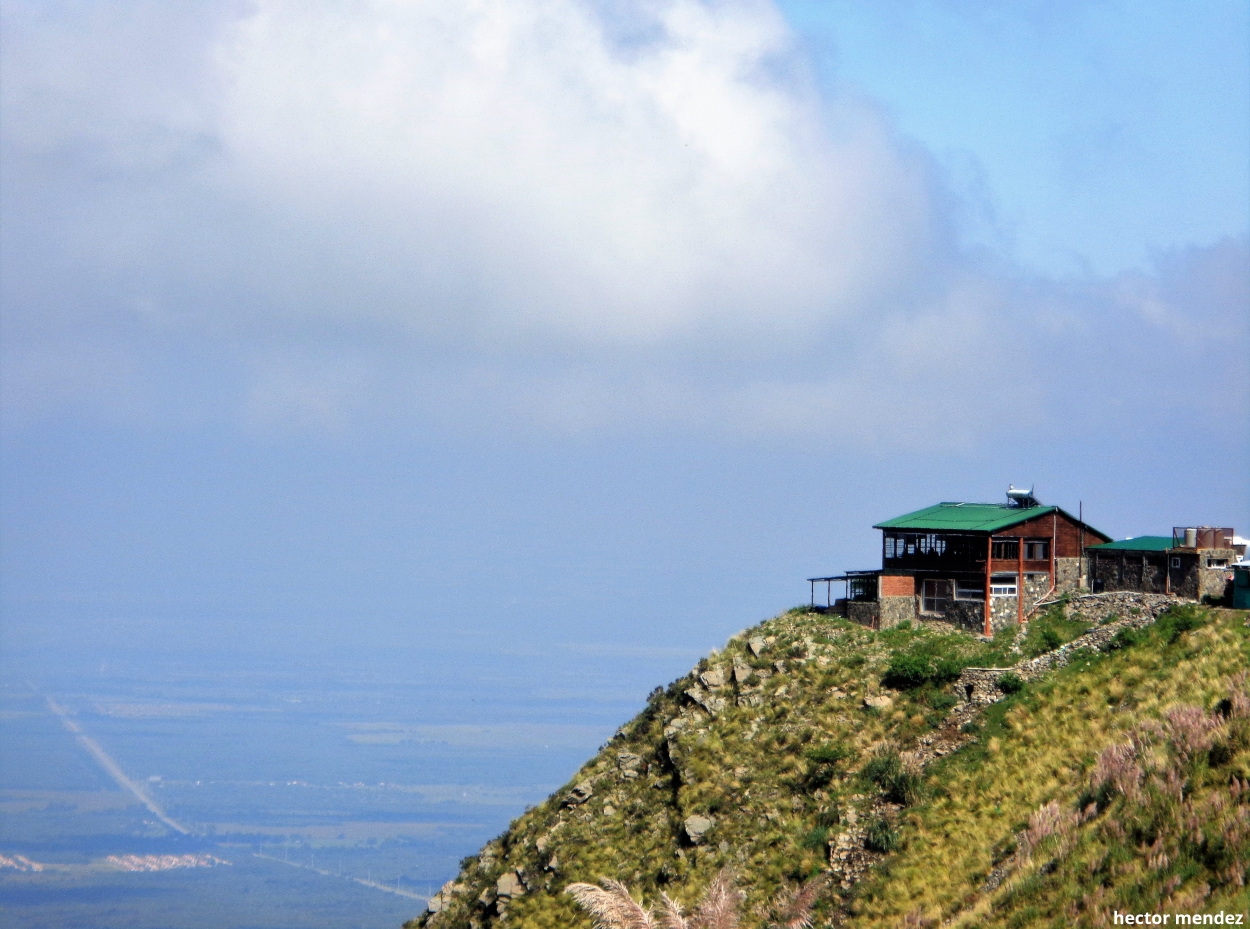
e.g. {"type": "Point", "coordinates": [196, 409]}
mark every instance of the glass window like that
{"type": "Point", "coordinates": [970, 590]}
{"type": "Point", "coordinates": [1036, 551]}
{"type": "Point", "coordinates": [937, 596]}
{"type": "Point", "coordinates": [1006, 550]}
{"type": "Point", "coordinates": [1003, 585]}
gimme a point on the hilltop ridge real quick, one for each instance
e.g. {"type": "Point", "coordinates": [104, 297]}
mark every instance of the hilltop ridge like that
{"type": "Point", "coordinates": [1097, 757]}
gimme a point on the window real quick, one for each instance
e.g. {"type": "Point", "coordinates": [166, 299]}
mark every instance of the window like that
{"type": "Point", "coordinates": [1217, 562]}
{"type": "Point", "coordinates": [1036, 551]}
{"type": "Point", "coordinates": [1003, 585]}
{"type": "Point", "coordinates": [1176, 562]}
{"type": "Point", "coordinates": [937, 596]}
{"type": "Point", "coordinates": [861, 589]}
{"type": "Point", "coordinates": [889, 546]}
{"type": "Point", "coordinates": [1006, 550]}
{"type": "Point", "coordinates": [970, 590]}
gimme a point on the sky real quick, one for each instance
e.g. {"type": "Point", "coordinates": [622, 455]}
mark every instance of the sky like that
{"type": "Point", "coordinates": [549, 325]}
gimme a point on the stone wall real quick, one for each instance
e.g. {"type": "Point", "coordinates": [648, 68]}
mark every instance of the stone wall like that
{"type": "Point", "coordinates": [1067, 574]}
{"type": "Point", "coordinates": [1121, 604]}
{"type": "Point", "coordinates": [896, 609]}
{"type": "Point", "coordinates": [1213, 581]}
{"type": "Point", "coordinates": [1112, 612]}
{"type": "Point", "coordinates": [979, 686]}
{"type": "Point", "coordinates": [967, 614]}
{"type": "Point", "coordinates": [1129, 570]}
{"type": "Point", "coordinates": [865, 612]}
{"type": "Point", "coordinates": [1004, 612]}
{"type": "Point", "coordinates": [1036, 589]}
{"type": "Point", "coordinates": [1184, 580]}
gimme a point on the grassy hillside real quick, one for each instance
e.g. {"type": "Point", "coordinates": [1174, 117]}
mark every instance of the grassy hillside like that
{"type": "Point", "coordinates": [812, 745]}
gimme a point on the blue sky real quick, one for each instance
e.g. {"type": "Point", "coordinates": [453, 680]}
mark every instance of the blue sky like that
{"type": "Point", "coordinates": [585, 323]}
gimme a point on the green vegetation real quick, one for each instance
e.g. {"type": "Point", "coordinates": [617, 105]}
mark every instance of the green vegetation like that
{"type": "Point", "coordinates": [1119, 781]}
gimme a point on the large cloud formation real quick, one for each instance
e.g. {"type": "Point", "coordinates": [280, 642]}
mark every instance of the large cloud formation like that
{"type": "Point", "coordinates": [539, 211]}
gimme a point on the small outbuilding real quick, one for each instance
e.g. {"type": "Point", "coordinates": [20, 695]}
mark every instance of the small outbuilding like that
{"type": "Point", "coordinates": [1193, 562]}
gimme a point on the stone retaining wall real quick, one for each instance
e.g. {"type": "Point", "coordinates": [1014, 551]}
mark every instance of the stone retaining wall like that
{"type": "Point", "coordinates": [980, 686]}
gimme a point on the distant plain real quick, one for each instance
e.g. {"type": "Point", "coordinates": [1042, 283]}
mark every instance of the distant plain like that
{"type": "Point", "coordinates": [308, 775]}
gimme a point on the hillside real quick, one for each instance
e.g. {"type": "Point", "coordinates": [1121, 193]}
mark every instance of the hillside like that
{"type": "Point", "coordinates": [1109, 770]}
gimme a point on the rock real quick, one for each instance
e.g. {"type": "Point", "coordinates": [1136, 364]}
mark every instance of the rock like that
{"type": "Point", "coordinates": [838, 693]}
{"type": "Point", "coordinates": [579, 794]}
{"type": "Point", "coordinates": [509, 885]}
{"type": "Point", "coordinates": [779, 667]}
{"type": "Point", "coordinates": [757, 646]}
{"type": "Point", "coordinates": [709, 702]}
{"type": "Point", "coordinates": [436, 903]}
{"type": "Point", "coordinates": [879, 702]}
{"type": "Point", "coordinates": [609, 810]}
{"type": "Point", "coordinates": [742, 673]}
{"type": "Point", "coordinates": [713, 678]}
{"type": "Point", "coordinates": [696, 828]}
{"type": "Point", "coordinates": [543, 842]}
{"type": "Point", "coordinates": [751, 698]}
{"type": "Point", "coordinates": [629, 763]}
{"type": "Point", "coordinates": [553, 864]}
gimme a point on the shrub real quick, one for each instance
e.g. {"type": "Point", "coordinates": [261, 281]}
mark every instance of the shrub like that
{"type": "Point", "coordinates": [881, 836]}
{"type": "Point", "coordinates": [830, 816]}
{"type": "Point", "coordinates": [907, 671]}
{"type": "Point", "coordinates": [1176, 622]}
{"type": "Point", "coordinates": [916, 668]}
{"type": "Point", "coordinates": [899, 783]}
{"type": "Point", "coordinates": [828, 754]}
{"type": "Point", "coordinates": [816, 840]}
{"type": "Point", "coordinates": [1127, 638]}
{"type": "Point", "coordinates": [823, 764]}
{"type": "Point", "coordinates": [1011, 683]}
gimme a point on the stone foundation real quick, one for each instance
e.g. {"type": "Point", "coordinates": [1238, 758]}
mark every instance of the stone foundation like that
{"type": "Point", "coordinates": [894, 610]}
{"type": "Point", "coordinates": [1068, 575]}
{"type": "Point", "coordinates": [967, 614]}
{"type": "Point", "coordinates": [865, 612]}
{"type": "Point", "coordinates": [1036, 589]}
{"type": "Point", "coordinates": [1004, 612]}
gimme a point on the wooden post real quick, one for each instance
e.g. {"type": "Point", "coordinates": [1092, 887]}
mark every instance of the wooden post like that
{"type": "Point", "coordinates": [989, 567]}
{"type": "Point", "coordinates": [1054, 541]}
{"type": "Point", "coordinates": [1080, 549]}
{"type": "Point", "coordinates": [1020, 584]}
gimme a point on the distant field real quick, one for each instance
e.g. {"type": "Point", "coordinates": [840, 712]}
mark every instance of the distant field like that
{"type": "Point", "coordinates": [365, 777]}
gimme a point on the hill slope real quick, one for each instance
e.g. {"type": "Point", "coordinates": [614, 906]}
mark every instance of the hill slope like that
{"type": "Point", "coordinates": [1108, 773]}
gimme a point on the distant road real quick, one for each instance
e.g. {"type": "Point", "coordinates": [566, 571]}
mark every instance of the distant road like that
{"type": "Point", "coordinates": [376, 885]}
{"type": "Point", "coordinates": [114, 770]}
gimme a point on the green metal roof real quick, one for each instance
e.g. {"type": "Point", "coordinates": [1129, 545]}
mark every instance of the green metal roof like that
{"type": "Point", "coordinates": [1143, 543]}
{"type": "Point", "coordinates": [966, 517]}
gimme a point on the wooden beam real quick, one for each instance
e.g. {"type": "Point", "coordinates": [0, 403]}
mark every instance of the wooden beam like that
{"type": "Point", "coordinates": [989, 565]}
{"type": "Point", "coordinates": [1020, 584]}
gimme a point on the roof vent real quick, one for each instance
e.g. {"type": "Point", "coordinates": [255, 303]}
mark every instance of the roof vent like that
{"type": "Point", "coordinates": [1018, 496]}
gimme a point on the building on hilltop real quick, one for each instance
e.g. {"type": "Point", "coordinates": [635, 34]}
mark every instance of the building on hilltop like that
{"type": "Point", "coordinates": [1193, 562]}
{"type": "Point", "coordinates": [978, 565]}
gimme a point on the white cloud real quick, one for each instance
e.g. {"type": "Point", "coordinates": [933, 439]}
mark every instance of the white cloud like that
{"type": "Point", "coordinates": [517, 160]}
{"type": "Point", "coordinates": [529, 215]}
